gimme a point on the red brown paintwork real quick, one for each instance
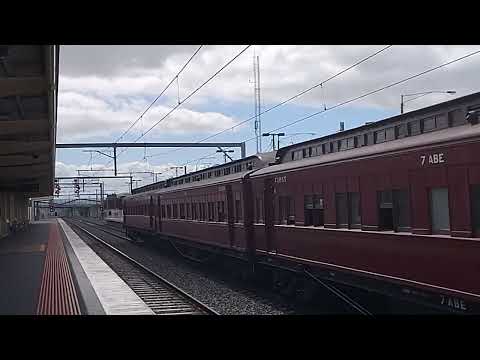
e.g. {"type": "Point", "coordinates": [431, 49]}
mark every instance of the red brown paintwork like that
{"type": "Point", "coordinates": [450, 261]}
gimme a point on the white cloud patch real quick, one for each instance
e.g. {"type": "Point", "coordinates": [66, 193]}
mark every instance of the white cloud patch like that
{"type": "Point", "coordinates": [103, 89]}
{"type": "Point", "coordinates": [81, 116]}
{"type": "Point", "coordinates": [285, 70]}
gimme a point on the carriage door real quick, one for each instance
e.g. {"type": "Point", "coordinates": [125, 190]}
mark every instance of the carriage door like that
{"type": "Point", "coordinates": [150, 212]}
{"type": "Point", "coordinates": [269, 211]}
{"type": "Point", "coordinates": [159, 216]}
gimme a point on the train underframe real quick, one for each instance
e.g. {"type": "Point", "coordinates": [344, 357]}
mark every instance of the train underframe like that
{"type": "Point", "coordinates": [304, 281]}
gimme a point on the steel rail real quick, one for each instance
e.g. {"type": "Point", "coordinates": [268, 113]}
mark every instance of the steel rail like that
{"type": "Point", "coordinates": [193, 301]}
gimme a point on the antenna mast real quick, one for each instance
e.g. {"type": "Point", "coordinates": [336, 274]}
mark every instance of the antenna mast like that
{"type": "Point", "coordinates": [256, 94]}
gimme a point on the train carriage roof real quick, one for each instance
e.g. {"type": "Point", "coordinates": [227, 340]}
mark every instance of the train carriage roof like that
{"type": "Point", "coordinates": [466, 102]}
{"type": "Point", "coordinates": [194, 185]}
{"type": "Point", "coordinates": [459, 133]}
{"type": "Point", "coordinates": [264, 159]}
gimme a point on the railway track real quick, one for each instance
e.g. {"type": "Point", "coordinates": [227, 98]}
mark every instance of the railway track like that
{"type": "Point", "coordinates": [103, 224]}
{"type": "Point", "coordinates": [114, 231]}
{"type": "Point", "coordinates": [159, 294]}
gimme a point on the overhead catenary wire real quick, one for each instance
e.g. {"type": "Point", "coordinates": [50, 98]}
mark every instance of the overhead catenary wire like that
{"type": "Point", "coordinates": [188, 97]}
{"type": "Point", "coordinates": [289, 99]}
{"type": "Point", "coordinates": [159, 96]}
{"type": "Point", "coordinates": [365, 95]}
{"type": "Point", "coordinates": [372, 92]}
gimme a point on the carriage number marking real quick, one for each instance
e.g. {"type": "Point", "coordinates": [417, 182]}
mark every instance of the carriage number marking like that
{"type": "Point", "coordinates": [453, 302]}
{"type": "Point", "coordinates": [433, 158]}
{"type": "Point", "coordinates": [281, 179]}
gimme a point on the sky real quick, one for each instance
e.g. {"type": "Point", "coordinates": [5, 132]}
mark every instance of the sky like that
{"type": "Point", "coordinates": [104, 89]}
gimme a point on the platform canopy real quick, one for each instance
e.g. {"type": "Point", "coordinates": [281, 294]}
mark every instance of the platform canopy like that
{"type": "Point", "coordinates": [28, 118]}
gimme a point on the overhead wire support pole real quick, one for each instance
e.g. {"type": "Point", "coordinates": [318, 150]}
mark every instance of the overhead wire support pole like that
{"type": "Point", "coordinates": [259, 104]}
{"type": "Point", "coordinates": [294, 96]}
{"type": "Point", "coordinates": [240, 145]}
{"type": "Point", "coordinates": [343, 103]}
{"type": "Point", "coordinates": [191, 94]}
{"type": "Point", "coordinates": [115, 159]}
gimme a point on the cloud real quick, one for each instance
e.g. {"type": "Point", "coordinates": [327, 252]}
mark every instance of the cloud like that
{"type": "Point", "coordinates": [285, 70]}
{"type": "Point", "coordinates": [81, 116]}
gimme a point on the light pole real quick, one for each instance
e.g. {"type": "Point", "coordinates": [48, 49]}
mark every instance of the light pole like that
{"type": "Point", "coordinates": [421, 94]}
{"type": "Point", "coordinates": [225, 155]}
{"type": "Point", "coordinates": [273, 138]}
{"type": "Point", "coordinates": [176, 169]}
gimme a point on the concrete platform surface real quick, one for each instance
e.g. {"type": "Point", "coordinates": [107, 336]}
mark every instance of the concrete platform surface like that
{"type": "Point", "coordinates": [22, 257]}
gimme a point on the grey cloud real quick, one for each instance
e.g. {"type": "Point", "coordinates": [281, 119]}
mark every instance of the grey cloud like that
{"type": "Point", "coordinates": [111, 60]}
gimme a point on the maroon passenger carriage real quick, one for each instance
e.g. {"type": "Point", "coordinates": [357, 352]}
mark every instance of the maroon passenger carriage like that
{"type": "Point", "coordinates": [392, 206]}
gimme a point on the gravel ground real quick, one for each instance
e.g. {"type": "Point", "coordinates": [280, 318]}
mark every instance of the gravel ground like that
{"type": "Point", "coordinates": [221, 296]}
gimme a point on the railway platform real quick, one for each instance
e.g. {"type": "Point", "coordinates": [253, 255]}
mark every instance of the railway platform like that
{"type": "Point", "coordinates": [47, 269]}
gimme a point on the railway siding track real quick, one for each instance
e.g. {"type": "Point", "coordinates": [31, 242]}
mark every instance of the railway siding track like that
{"type": "Point", "coordinates": [163, 297]}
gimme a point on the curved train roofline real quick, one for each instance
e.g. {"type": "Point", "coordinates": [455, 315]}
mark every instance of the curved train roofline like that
{"type": "Point", "coordinates": [437, 138]}
{"type": "Point", "coordinates": [467, 102]}
{"type": "Point", "coordinates": [265, 159]}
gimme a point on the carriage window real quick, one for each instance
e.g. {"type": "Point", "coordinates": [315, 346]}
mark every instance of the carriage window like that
{"type": "Point", "coordinates": [439, 210]}
{"type": "Point", "coordinates": [189, 213]}
{"type": "Point", "coordinates": [259, 210]}
{"type": "Point", "coordinates": [304, 153]}
{"type": "Point", "coordinates": [342, 209]}
{"type": "Point", "coordinates": [475, 200]}
{"type": "Point", "coordinates": [441, 121]}
{"type": "Point", "coordinates": [194, 211]}
{"type": "Point", "coordinates": [313, 210]}
{"type": "Point", "coordinates": [286, 210]}
{"type": "Point", "coordinates": [401, 131]}
{"type": "Point", "coordinates": [456, 118]}
{"type": "Point", "coordinates": [163, 211]}
{"type": "Point", "coordinates": [351, 142]}
{"type": "Point", "coordinates": [308, 205]}
{"type": "Point", "coordinates": [182, 211]}
{"type": "Point", "coordinates": [318, 210]}
{"type": "Point", "coordinates": [394, 210]}
{"type": "Point", "coordinates": [175, 211]}
{"type": "Point", "coordinates": [390, 134]}
{"type": "Point", "coordinates": [428, 124]}
{"type": "Point", "coordinates": [414, 128]}
{"type": "Point", "coordinates": [370, 138]}
{"type": "Point", "coordinates": [380, 136]}
{"type": "Point", "coordinates": [238, 211]}
{"type": "Point", "coordinates": [334, 146]}
{"type": "Point", "coordinates": [385, 210]}
{"type": "Point", "coordinates": [221, 211]}
{"type": "Point", "coordinates": [169, 211]}
{"type": "Point", "coordinates": [401, 203]}
{"type": "Point", "coordinates": [359, 140]}
{"type": "Point", "coordinates": [211, 215]}
{"type": "Point", "coordinates": [354, 209]}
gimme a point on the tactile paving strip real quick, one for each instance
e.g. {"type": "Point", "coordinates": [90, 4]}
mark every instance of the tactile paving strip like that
{"type": "Point", "coordinates": [57, 292]}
